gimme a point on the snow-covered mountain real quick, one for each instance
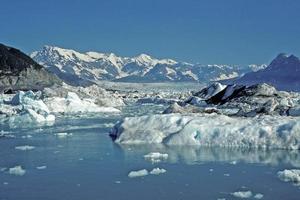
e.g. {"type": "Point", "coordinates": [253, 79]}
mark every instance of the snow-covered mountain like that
{"type": "Point", "coordinates": [78, 68]}
{"type": "Point", "coordinates": [283, 73]}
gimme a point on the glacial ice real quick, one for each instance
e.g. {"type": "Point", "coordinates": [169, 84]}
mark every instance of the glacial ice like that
{"type": "Point", "coordinates": [242, 194]}
{"type": "Point", "coordinates": [210, 130]}
{"type": "Point", "coordinates": [73, 104]}
{"type": "Point", "coordinates": [157, 171]}
{"type": "Point", "coordinates": [26, 107]}
{"type": "Point", "coordinates": [139, 173]}
{"type": "Point", "coordinates": [17, 170]}
{"type": "Point", "coordinates": [290, 175]}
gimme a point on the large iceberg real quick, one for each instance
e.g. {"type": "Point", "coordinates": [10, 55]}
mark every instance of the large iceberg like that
{"type": "Point", "coordinates": [210, 130]}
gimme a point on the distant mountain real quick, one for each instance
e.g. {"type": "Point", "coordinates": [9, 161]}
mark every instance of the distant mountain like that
{"type": "Point", "coordinates": [82, 68]}
{"type": "Point", "coordinates": [283, 73]}
{"type": "Point", "coordinates": [19, 71]}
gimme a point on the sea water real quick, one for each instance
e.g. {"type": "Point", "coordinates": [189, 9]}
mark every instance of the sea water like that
{"type": "Point", "coordinates": [75, 159]}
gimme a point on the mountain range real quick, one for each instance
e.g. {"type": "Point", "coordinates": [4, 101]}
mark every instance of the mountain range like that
{"type": "Point", "coordinates": [283, 73]}
{"type": "Point", "coordinates": [77, 68]}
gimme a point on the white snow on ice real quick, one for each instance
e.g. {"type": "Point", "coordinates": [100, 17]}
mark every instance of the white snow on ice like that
{"type": "Point", "coordinates": [210, 130]}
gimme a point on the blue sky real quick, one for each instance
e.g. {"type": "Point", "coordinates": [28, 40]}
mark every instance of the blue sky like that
{"type": "Point", "coordinates": [205, 31]}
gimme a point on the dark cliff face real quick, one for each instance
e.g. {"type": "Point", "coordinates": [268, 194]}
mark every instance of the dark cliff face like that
{"type": "Point", "coordinates": [19, 72]}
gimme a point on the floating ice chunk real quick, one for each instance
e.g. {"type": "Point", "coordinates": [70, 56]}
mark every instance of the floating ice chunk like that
{"type": "Point", "coordinates": [157, 171]}
{"type": "Point", "coordinates": [156, 156]}
{"type": "Point", "coordinates": [41, 167]}
{"type": "Point", "coordinates": [17, 170]}
{"type": "Point", "coordinates": [25, 147]}
{"type": "Point", "coordinates": [139, 173]}
{"type": "Point", "coordinates": [258, 196]}
{"type": "Point", "coordinates": [63, 135]}
{"type": "Point", "coordinates": [290, 175]}
{"type": "Point", "coordinates": [242, 194]}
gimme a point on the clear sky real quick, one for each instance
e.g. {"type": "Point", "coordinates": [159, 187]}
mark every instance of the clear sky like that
{"type": "Point", "coordinates": [204, 31]}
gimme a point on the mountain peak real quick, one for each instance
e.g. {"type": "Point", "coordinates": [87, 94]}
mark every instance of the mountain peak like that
{"type": "Point", "coordinates": [284, 60]}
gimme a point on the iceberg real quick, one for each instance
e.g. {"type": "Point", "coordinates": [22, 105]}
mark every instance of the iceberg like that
{"type": "Point", "coordinates": [290, 175]}
{"type": "Point", "coordinates": [263, 131]}
{"type": "Point", "coordinates": [17, 170]}
{"type": "Point", "coordinates": [139, 173]}
{"type": "Point", "coordinates": [242, 194]}
{"type": "Point", "coordinates": [26, 108]}
{"type": "Point", "coordinates": [157, 171]}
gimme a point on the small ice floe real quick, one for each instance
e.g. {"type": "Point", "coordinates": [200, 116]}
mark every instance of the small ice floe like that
{"type": "Point", "coordinates": [24, 148]}
{"type": "Point", "coordinates": [139, 173]}
{"type": "Point", "coordinates": [242, 194]}
{"type": "Point", "coordinates": [63, 135]}
{"type": "Point", "coordinates": [226, 174]}
{"type": "Point", "coordinates": [157, 171]}
{"type": "Point", "coordinates": [211, 170]}
{"type": "Point", "coordinates": [41, 167]}
{"type": "Point", "coordinates": [155, 157]}
{"type": "Point", "coordinates": [258, 196]}
{"type": "Point", "coordinates": [290, 175]}
{"type": "Point", "coordinates": [5, 183]}
{"type": "Point", "coordinates": [17, 170]}
{"type": "Point", "coordinates": [117, 182]}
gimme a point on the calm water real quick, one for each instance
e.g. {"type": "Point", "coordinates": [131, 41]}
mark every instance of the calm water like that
{"type": "Point", "coordinates": [88, 165]}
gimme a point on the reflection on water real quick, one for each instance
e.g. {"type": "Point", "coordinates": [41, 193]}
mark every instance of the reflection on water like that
{"type": "Point", "coordinates": [199, 155]}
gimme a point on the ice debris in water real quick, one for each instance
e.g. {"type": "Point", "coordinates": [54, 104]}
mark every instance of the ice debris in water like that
{"type": "Point", "coordinates": [157, 171]}
{"type": "Point", "coordinates": [139, 173]}
{"type": "Point", "coordinates": [41, 167]}
{"type": "Point", "coordinates": [290, 175]}
{"type": "Point", "coordinates": [156, 156]}
{"type": "Point", "coordinates": [63, 135]}
{"type": "Point", "coordinates": [258, 196]}
{"type": "Point", "coordinates": [242, 194]}
{"type": "Point", "coordinates": [17, 170]}
{"type": "Point", "coordinates": [25, 147]}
